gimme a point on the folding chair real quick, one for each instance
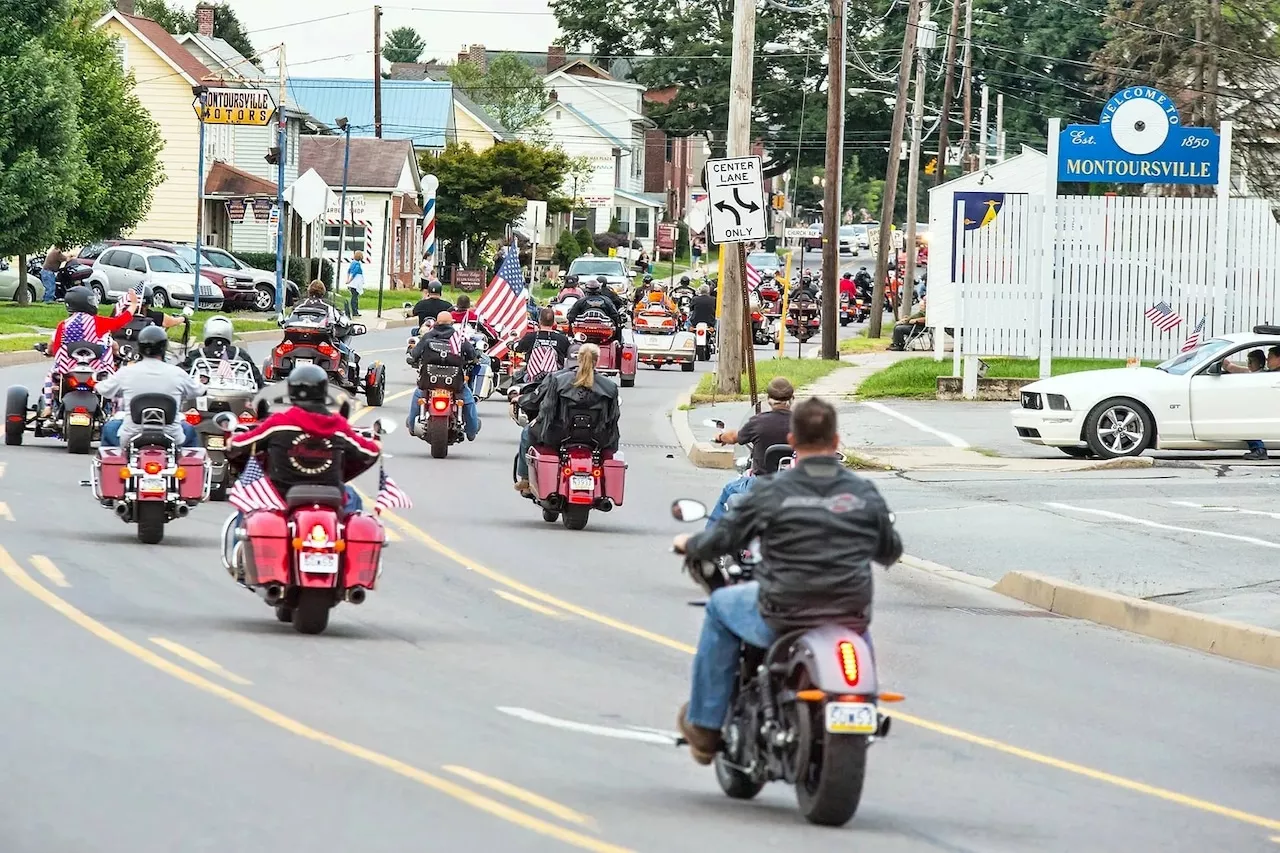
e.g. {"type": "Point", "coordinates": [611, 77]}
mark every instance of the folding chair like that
{"type": "Point", "coordinates": [920, 338]}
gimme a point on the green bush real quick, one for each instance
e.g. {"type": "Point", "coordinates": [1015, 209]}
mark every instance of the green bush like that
{"type": "Point", "coordinates": [584, 238]}
{"type": "Point", "coordinates": [682, 240]}
{"type": "Point", "coordinates": [567, 249]}
{"type": "Point", "coordinates": [297, 271]}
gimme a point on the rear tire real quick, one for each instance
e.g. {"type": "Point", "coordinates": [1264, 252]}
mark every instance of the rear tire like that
{"type": "Point", "coordinates": [375, 395]}
{"type": "Point", "coordinates": [687, 367]}
{"type": "Point", "coordinates": [79, 439]}
{"type": "Point", "coordinates": [575, 518]}
{"type": "Point", "coordinates": [735, 784]}
{"type": "Point", "coordinates": [829, 781]}
{"type": "Point", "coordinates": [438, 437]}
{"type": "Point", "coordinates": [311, 614]}
{"type": "Point", "coordinates": [15, 405]}
{"type": "Point", "coordinates": [218, 493]}
{"type": "Point", "coordinates": [284, 613]}
{"type": "Point", "coordinates": [151, 518]}
{"type": "Point", "coordinates": [550, 516]}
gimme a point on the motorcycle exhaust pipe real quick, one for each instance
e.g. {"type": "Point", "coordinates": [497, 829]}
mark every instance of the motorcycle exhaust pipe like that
{"type": "Point", "coordinates": [604, 505]}
{"type": "Point", "coordinates": [124, 512]}
{"type": "Point", "coordinates": [182, 511]}
{"type": "Point", "coordinates": [273, 594]}
{"type": "Point", "coordinates": [356, 595]}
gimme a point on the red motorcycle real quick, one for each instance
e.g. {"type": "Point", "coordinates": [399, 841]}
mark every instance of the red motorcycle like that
{"type": "Point", "coordinates": [618, 356]}
{"type": "Point", "coordinates": [568, 483]}
{"type": "Point", "coordinates": [802, 320]}
{"type": "Point", "coordinates": [310, 338]}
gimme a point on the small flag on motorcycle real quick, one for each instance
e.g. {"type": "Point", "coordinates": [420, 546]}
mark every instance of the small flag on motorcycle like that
{"type": "Point", "coordinates": [391, 496]}
{"type": "Point", "coordinates": [225, 371]}
{"type": "Point", "coordinates": [254, 491]}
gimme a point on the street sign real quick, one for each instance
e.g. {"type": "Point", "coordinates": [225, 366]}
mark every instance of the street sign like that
{"type": "Point", "coordinates": [803, 233]}
{"type": "Point", "coordinates": [253, 107]}
{"type": "Point", "coordinates": [736, 189]}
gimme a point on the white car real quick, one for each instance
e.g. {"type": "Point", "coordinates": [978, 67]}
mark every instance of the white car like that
{"type": "Point", "coordinates": [613, 269]}
{"type": "Point", "coordinates": [1205, 399]}
{"type": "Point", "coordinates": [121, 268]}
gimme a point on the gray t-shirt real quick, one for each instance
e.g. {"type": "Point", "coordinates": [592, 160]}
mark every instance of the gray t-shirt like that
{"type": "Point", "coordinates": [150, 376]}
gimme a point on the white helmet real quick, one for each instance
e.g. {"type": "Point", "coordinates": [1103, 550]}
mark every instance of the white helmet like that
{"type": "Point", "coordinates": [219, 327]}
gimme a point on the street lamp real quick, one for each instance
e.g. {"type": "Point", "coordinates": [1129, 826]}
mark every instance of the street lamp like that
{"type": "Point", "coordinates": [345, 127]}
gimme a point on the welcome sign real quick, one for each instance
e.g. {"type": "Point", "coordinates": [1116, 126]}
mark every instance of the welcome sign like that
{"type": "Point", "coordinates": [1139, 139]}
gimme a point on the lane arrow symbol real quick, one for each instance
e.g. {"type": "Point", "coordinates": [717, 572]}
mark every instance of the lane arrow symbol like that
{"type": "Point", "coordinates": [745, 205]}
{"type": "Point", "coordinates": [728, 208]}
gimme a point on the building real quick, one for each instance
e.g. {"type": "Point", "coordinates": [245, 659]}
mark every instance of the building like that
{"type": "Point", "coordinates": [420, 111]}
{"type": "Point", "coordinates": [384, 213]}
{"type": "Point", "coordinates": [673, 164]}
{"type": "Point", "coordinates": [473, 124]}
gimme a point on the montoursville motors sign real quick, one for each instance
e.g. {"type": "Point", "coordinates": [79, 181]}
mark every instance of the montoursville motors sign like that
{"type": "Point", "coordinates": [236, 106]}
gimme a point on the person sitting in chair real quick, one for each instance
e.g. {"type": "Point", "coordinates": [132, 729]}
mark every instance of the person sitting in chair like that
{"type": "Point", "coordinates": [909, 327]}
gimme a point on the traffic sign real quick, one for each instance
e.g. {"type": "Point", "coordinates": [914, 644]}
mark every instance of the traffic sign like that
{"type": "Point", "coordinates": [253, 107]}
{"type": "Point", "coordinates": [736, 188]}
{"type": "Point", "coordinates": [803, 233]}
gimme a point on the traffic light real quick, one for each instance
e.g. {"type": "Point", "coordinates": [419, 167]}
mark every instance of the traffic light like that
{"type": "Point", "coordinates": [273, 155]}
{"type": "Point", "coordinates": [931, 166]}
{"type": "Point", "coordinates": [779, 201]}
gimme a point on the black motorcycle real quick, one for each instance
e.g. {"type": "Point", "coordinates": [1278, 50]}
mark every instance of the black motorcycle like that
{"type": "Point", "coordinates": [78, 412]}
{"type": "Point", "coordinates": [73, 272]}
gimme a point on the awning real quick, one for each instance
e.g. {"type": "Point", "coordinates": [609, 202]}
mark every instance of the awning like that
{"type": "Point", "coordinates": [226, 181]}
{"type": "Point", "coordinates": [655, 200]}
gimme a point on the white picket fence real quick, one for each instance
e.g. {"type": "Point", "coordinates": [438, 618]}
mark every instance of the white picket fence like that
{"type": "Point", "coordinates": [1115, 258]}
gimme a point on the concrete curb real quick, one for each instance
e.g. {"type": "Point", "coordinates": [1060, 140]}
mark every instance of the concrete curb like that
{"type": "Point", "coordinates": [929, 458]}
{"type": "Point", "coordinates": [922, 565]}
{"type": "Point", "coordinates": [1234, 640]}
{"type": "Point", "coordinates": [703, 454]}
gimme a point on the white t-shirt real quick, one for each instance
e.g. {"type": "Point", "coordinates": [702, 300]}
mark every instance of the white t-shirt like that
{"type": "Point", "coordinates": [355, 274]}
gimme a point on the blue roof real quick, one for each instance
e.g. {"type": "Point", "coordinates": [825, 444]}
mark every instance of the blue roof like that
{"type": "Point", "coordinates": [418, 110]}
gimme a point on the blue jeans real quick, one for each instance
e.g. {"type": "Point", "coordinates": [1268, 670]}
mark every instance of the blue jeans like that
{"type": "Point", "coordinates": [477, 374]}
{"type": "Point", "coordinates": [731, 488]}
{"type": "Point", "coordinates": [111, 434]}
{"type": "Point", "coordinates": [49, 279]}
{"type": "Point", "coordinates": [522, 455]}
{"type": "Point", "coordinates": [470, 416]}
{"type": "Point", "coordinates": [355, 302]}
{"type": "Point", "coordinates": [1254, 444]}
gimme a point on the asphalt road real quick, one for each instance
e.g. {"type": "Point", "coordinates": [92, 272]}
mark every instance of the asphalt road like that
{"type": "Point", "coordinates": [485, 697]}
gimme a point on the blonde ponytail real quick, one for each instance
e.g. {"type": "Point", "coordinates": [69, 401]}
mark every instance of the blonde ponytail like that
{"type": "Point", "coordinates": [588, 355]}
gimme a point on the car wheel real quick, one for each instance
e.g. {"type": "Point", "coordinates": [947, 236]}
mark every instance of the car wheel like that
{"type": "Point", "coordinates": [32, 296]}
{"type": "Point", "coordinates": [264, 298]}
{"type": "Point", "coordinates": [160, 299]}
{"type": "Point", "coordinates": [1118, 427]}
{"type": "Point", "coordinates": [99, 292]}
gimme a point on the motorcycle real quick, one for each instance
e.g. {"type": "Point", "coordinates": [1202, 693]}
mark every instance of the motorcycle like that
{"type": "Point", "coordinates": [231, 388]}
{"type": "Point", "coordinates": [439, 420]}
{"type": "Point", "coordinates": [78, 412]}
{"type": "Point", "coordinates": [683, 297]}
{"type": "Point", "coordinates": [308, 339]}
{"type": "Point", "coordinates": [704, 341]}
{"type": "Point", "coordinates": [804, 711]}
{"type": "Point", "coordinates": [568, 482]}
{"type": "Point", "coordinates": [618, 353]}
{"type": "Point", "coordinates": [72, 273]}
{"type": "Point", "coordinates": [309, 558]}
{"type": "Point", "coordinates": [847, 310]}
{"type": "Point", "coordinates": [151, 482]}
{"type": "Point", "coordinates": [802, 320]}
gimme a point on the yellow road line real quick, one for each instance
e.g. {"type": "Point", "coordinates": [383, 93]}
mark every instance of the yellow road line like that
{"type": "Point", "coordinates": [191, 656]}
{"type": "Point", "coordinates": [360, 413]}
{"type": "Point", "coordinates": [515, 792]}
{"type": "Point", "coordinates": [938, 728]}
{"type": "Point", "coordinates": [46, 567]}
{"type": "Point", "coordinates": [478, 801]}
{"type": "Point", "coordinates": [536, 608]}
{"type": "Point", "coordinates": [392, 535]}
{"type": "Point", "coordinates": [5, 512]}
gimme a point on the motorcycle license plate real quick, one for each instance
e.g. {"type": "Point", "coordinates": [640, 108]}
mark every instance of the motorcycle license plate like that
{"type": "Point", "coordinates": [79, 420]}
{"type": "Point", "coordinates": [320, 564]}
{"type": "Point", "coordinates": [852, 718]}
{"type": "Point", "coordinates": [152, 485]}
{"type": "Point", "coordinates": [582, 483]}
{"type": "Point", "coordinates": [217, 442]}
{"type": "Point", "coordinates": [297, 362]}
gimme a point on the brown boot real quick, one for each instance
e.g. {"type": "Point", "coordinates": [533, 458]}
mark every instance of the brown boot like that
{"type": "Point", "coordinates": [703, 743]}
{"type": "Point", "coordinates": [524, 488]}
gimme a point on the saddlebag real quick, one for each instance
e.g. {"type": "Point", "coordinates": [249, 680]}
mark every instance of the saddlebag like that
{"type": "Point", "coordinates": [194, 486]}
{"type": "Point", "coordinates": [266, 552]}
{"type": "Point", "coordinates": [615, 478]}
{"type": "Point", "coordinates": [107, 466]}
{"type": "Point", "coordinates": [447, 376]}
{"type": "Point", "coordinates": [544, 471]}
{"type": "Point", "coordinates": [365, 537]}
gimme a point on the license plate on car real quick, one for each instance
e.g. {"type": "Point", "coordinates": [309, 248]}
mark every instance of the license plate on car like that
{"type": "Point", "coordinates": [852, 718]}
{"type": "Point", "coordinates": [79, 420]}
{"type": "Point", "coordinates": [152, 485]}
{"type": "Point", "coordinates": [217, 442]}
{"type": "Point", "coordinates": [320, 564]}
{"type": "Point", "coordinates": [582, 483]}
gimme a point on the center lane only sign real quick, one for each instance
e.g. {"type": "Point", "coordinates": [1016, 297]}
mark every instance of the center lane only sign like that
{"type": "Point", "coordinates": [736, 189]}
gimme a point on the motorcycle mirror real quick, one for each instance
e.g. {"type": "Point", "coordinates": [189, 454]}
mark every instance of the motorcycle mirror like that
{"type": "Point", "coordinates": [580, 338]}
{"type": "Point", "coordinates": [714, 422]}
{"type": "Point", "coordinates": [188, 312]}
{"type": "Point", "coordinates": [384, 426]}
{"type": "Point", "coordinates": [742, 463]}
{"type": "Point", "coordinates": [407, 305]}
{"type": "Point", "coordinates": [687, 509]}
{"type": "Point", "coordinates": [359, 329]}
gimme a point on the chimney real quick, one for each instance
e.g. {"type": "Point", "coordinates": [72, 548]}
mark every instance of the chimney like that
{"type": "Point", "coordinates": [204, 19]}
{"type": "Point", "coordinates": [125, 7]}
{"type": "Point", "coordinates": [476, 53]}
{"type": "Point", "coordinates": [555, 57]}
{"type": "Point", "coordinates": [553, 95]}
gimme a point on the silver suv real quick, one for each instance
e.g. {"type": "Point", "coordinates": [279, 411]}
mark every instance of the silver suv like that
{"type": "Point", "coordinates": [120, 269]}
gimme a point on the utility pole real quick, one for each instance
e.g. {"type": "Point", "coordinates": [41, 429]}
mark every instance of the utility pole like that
{"type": "Point", "coordinates": [377, 71]}
{"type": "Point", "coordinates": [733, 342]}
{"type": "Point", "coordinates": [948, 89]}
{"type": "Point", "coordinates": [984, 137]}
{"type": "Point", "coordinates": [834, 171]}
{"type": "Point", "coordinates": [891, 173]}
{"type": "Point", "coordinates": [967, 66]}
{"type": "Point", "coordinates": [925, 40]}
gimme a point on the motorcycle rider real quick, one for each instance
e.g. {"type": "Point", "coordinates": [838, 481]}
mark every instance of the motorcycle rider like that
{"type": "Point", "coordinates": [761, 431]}
{"type": "Point", "coordinates": [655, 297]}
{"type": "Point", "coordinates": [150, 375]}
{"type": "Point", "coordinates": [218, 332]}
{"type": "Point", "coordinates": [594, 298]}
{"type": "Point", "coordinates": [863, 281]}
{"type": "Point", "coordinates": [317, 292]}
{"type": "Point", "coordinates": [805, 289]}
{"type": "Point", "coordinates": [569, 289]}
{"type": "Point", "coordinates": [431, 303]}
{"type": "Point", "coordinates": [463, 313]}
{"type": "Point", "coordinates": [703, 308]}
{"type": "Point", "coordinates": [820, 528]}
{"type": "Point", "coordinates": [443, 336]}
{"type": "Point", "coordinates": [551, 344]}
{"type": "Point", "coordinates": [577, 389]}
{"type": "Point", "coordinates": [848, 289]}
{"type": "Point", "coordinates": [84, 324]}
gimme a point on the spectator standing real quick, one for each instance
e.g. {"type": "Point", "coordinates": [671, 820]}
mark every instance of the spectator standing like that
{"type": "Point", "coordinates": [53, 261]}
{"type": "Point", "coordinates": [355, 282]}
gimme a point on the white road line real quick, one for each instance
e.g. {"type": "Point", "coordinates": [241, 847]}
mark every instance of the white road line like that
{"type": "Point", "coordinates": [1235, 509]}
{"type": "Point", "coordinates": [646, 736]}
{"type": "Point", "coordinates": [954, 441]}
{"type": "Point", "coordinates": [1143, 522]}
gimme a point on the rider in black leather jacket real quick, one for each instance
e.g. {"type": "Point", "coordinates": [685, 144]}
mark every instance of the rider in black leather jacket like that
{"type": "Point", "coordinates": [595, 298]}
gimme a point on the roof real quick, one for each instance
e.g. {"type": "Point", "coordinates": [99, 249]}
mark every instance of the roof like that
{"type": "Point", "coordinates": [584, 68]}
{"type": "Point", "coordinates": [165, 45]}
{"type": "Point", "coordinates": [996, 177]}
{"type": "Point", "coordinates": [376, 164]}
{"type": "Point", "coordinates": [582, 117]}
{"type": "Point", "coordinates": [647, 199]}
{"type": "Point", "coordinates": [226, 180]}
{"type": "Point", "coordinates": [409, 208]}
{"type": "Point", "coordinates": [417, 110]}
{"type": "Point", "coordinates": [228, 58]}
{"type": "Point", "coordinates": [481, 115]}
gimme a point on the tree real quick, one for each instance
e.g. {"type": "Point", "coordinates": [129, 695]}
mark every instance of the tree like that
{"type": "Point", "coordinates": [403, 45]}
{"type": "Point", "coordinates": [38, 165]}
{"type": "Point", "coordinates": [510, 88]}
{"type": "Point", "coordinates": [122, 142]}
{"type": "Point", "coordinates": [567, 249]}
{"type": "Point", "coordinates": [175, 19]}
{"type": "Point", "coordinates": [482, 193]}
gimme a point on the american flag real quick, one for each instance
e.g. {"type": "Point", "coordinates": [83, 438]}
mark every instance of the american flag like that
{"type": "Point", "coordinates": [505, 304]}
{"type": "Point", "coordinates": [225, 371]}
{"type": "Point", "coordinates": [80, 327]}
{"type": "Point", "coordinates": [391, 496]}
{"type": "Point", "coordinates": [254, 491]}
{"type": "Point", "coordinates": [137, 292]}
{"type": "Point", "coordinates": [1193, 339]}
{"type": "Point", "coordinates": [1163, 317]}
{"type": "Point", "coordinates": [542, 360]}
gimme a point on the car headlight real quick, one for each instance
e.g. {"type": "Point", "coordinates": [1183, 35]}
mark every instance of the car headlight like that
{"type": "Point", "coordinates": [1058, 402]}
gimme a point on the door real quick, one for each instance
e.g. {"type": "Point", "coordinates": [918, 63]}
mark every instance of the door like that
{"type": "Point", "coordinates": [1239, 404]}
{"type": "Point", "coordinates": [114, 264]}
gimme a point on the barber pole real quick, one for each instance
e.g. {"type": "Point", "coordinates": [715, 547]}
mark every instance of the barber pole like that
{"type": "Point", "coordinates": [429, 185]}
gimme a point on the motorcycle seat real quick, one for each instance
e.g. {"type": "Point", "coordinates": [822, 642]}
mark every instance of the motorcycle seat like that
{"type": "Point", "coordinates": [305, 495]}
{"type": "Point", "coordinates": [151, 437]}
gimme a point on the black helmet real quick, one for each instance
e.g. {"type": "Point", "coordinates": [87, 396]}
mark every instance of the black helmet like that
{"type": "Point", "coordinates": [81, 299]}
{"type": "Point", "coordinates": [152, 342]}
{"type": "Point", "coordinates": [434, 286]}
{"type": "Point", "coordinates": [603, 279]}
{"type": "Point", "coordinates": [847, 275]}
{"type": "Point", "coordinates": [684, 279]}
{"type": "Point", "coordinates": [648, 279]}
{"type": "Point", "coordinates": [592, 285]}
{"type": "Point", "coordinates": [308, 384]}
{"type": "Point", "coordinates": [571, 281]}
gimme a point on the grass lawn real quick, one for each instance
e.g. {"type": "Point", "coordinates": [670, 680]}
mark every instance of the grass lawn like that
{"type": "Point", "coordinates": [21, 343]}
{"type": "Point", "coordinates": [862, 343]}
{"type": "Point", "coordinates": [15, 320]}
{"type": "Point", "coordinates": [801, 372]}
{"type": "Point", "coordinates": [917, 377]}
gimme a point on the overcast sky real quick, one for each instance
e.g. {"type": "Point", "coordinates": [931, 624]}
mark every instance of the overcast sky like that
{"type": "Point", "coordinates": [342, 46]}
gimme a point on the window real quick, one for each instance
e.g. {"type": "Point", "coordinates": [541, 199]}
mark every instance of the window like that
{"type": "Point", "coordinates": [642, 223]}
{"type": "Point", "coordinates": [355, 240]}
{"type": "Point", "coordinates": [136, 264]}
{"type": "Point", "coordinates": [219, 142]}
{"type": "Point", "coordinates": [221, 259]}
{"type": "Point", "coordinates": [580, 219]}
{"type": "Point", "coordinates": [621, 216]}
{"type": "Point", "coordinates": [164, 263]}
{"type": "Point", "coordinates": [107, 258]}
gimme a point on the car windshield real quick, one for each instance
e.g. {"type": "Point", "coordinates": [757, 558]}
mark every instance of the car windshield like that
{"type": "Point", "coordinates": [165, 263]}
{"type": "Point", "coordinates": [848, 230]}
{"type": "Point", "coordinates": [187, 253]}
{"type": "Point", "coordinates": [221, 259]}
{"type": "Point", "coordinates": [603, 266]}
{"type": "Point", "coordinates": [1184, 362]}
{"type": "Point", "coordinates": [764, 261]}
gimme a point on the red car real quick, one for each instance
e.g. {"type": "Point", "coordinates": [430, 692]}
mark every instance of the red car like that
{"type": "Point", "coordinates": [238, 290]}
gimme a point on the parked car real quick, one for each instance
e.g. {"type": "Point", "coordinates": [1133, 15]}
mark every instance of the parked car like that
{"type": "Point", "coordinates": [613, 269]}
{"type": "Point", "coordinates": [9, 282]}
{"type": "Point", "coordinates": [849, 239]}
{"type": "Point", "coordinates": [264, 281]}
{"type": "Point", "coordinates": [121, 268]}
{"type": "Point", "coordinates": [238, 290]}
{"type": "Point", "coordinates": [1190, 402]}
{"type": "Point", "coordinates": [814, 244]}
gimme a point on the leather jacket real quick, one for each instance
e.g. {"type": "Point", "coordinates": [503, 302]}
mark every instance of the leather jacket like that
{"type": "Point", "coordinates": [598, 301]}
{"type": "Point", "coordinates": [556, 398]}
{"type": "Point", "coordinates": [820, 527]}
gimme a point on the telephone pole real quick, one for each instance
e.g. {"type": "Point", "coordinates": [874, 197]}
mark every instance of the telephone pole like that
{"type": "Point", "coordinates": [925, 40]}
{"type": "Point", "coordinates": [377, 71]}
{"type": "Point", "coordinates": [733, 342]}
{"type": "Point", "coordinates": [948, 89]}
{"type": "Point", "coordinates": [834, 170]}
{"type": "Point", "coordinates": [967, 77]}
{"type": "Point", "coordinates": [891, 173]}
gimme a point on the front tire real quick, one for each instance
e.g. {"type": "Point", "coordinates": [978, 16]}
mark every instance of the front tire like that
{"type": "Point", "coordinates": [264, 298]}
{"type": "Point", "coordinates": [1119, 427]}
{"type": "Point", "coordinates": [311, 614]}
{"type": "Point", "coordinates": [160, 299]}
{"type": "Point", "coordinates": [575, 518]}
{"type": "Point", "coordinates": [438, 437]}
{"type": "Point", "coordinates": [151, 518]}
{"type": "Point", "coordinates": [79, 439]}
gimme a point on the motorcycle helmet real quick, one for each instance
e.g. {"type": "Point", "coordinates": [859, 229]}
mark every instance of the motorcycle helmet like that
{"type": "Point", "coordinates": [152, 342]}
{"type": "Point", "coordinates": [308, 385]}
{"type": "Point", "coordinates": [218, 328]}
{"type": "Point", "coordinates": [648, 279]}
{"type": "Point", "coordinates": [571, 281]}
{"type": "Point", "coordinates": [684, 281]}
{"type": "Point", "coordinates": [434, 287]}
{"type": "Point", "coordinates": [592, 285]}
{"type": "Point", "coordinates": [847, 276]}
{"type": "Point", "coordinates": [81, 300]}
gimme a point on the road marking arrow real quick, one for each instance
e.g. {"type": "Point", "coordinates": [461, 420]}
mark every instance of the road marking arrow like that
{"type": "Point", "coordinates": [725, 207]}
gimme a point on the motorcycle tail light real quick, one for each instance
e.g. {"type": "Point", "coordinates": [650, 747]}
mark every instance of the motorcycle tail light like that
{"type": "Point", "coordinates": [125, 473]}
{"type": "Point", "coordinates": [440, 404]}
{"type": "Point", "coordinates": [193, 417]}
{"type": "Point", "coordinates": [848, 662]}
{"type": "Point", "coordinates": [326, 350]}
{"type": "Point", "coordinates": [72, 382]}
{"type": "Point", "coordinates": [180, 473]}
{"type": "Point", "coordinates": [153, 468]}
{"type": "Point", "coordinates": [285, 348]}
{"type": "Point", "coordinates": [597, 473]}
{"type": "Point", "coordinates": [248, 418]}
{"type": "Point", "coordinates": [80, 410]}
{"type": "Point", "coordinates": [627, 355]}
